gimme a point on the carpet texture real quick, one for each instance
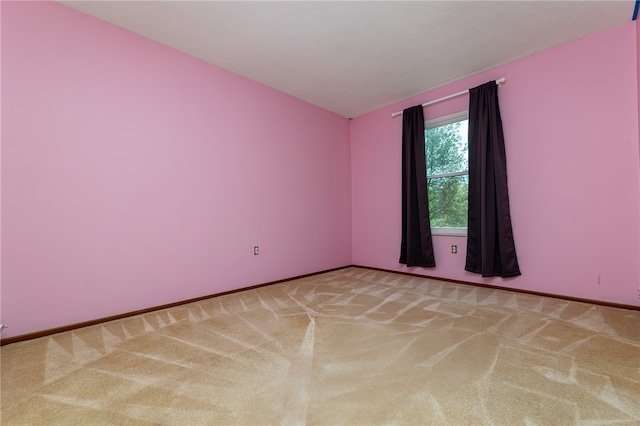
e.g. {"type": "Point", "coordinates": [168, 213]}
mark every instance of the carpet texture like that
{"type": "Point", "coordinates": [352, 346]}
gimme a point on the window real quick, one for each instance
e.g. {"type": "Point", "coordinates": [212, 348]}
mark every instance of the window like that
{"type": "Point", "coordinates": [446, 148]}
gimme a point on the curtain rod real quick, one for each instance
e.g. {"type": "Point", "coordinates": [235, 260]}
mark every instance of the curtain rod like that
{"type": "Point", "coordinates": [498, 82]}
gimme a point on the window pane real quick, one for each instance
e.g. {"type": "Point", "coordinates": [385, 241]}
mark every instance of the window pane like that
{"type": "Point", "coordinates": [446, 148]}
{"type": "Point", "coordinates": [448, 201]}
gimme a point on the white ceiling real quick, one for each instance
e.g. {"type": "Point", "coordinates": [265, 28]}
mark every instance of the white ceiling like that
{"type": "Point", "coordinates": [353, 57]}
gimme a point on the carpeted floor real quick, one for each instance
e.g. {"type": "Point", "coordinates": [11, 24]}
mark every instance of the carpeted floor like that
{"type": "Point", "coordinates": [352, 346]}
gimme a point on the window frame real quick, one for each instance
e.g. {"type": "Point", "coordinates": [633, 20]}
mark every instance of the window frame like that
{"type": "Point", "coordinates": [431, 124]}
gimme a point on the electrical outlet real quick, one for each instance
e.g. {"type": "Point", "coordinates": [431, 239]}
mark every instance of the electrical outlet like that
{"type": "Point", "coordinates": [454, 249]}
{"type": "Point", "coordinates": [256, 251]}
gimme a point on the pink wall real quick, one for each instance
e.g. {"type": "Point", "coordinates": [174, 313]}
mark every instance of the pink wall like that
{"type": "Point", "coordinates": [0, 167]}
{"type": "Point", "coordinates": [134, 175]}
{"type": "Point", "coordinates": [638, 75]}
{"type": "Point", "coordinates": [571, 128]}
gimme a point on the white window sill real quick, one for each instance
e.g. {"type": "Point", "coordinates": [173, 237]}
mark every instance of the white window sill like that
{"type": "Point", "coordinates": [452, 232]}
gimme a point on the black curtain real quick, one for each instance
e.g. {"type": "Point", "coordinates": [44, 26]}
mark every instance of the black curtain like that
{"type": "Point", "coordinates": [490, 247]}
{"type": "Point", "coordinates": [416, 248]}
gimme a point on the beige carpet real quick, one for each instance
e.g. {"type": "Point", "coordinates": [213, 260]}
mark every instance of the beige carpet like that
{"type": "Point", "coordinates": [352, 346]}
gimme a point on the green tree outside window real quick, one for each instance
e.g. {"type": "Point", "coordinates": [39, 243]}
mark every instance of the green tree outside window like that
{"type": "Point", "coordinates": [446, 150]}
